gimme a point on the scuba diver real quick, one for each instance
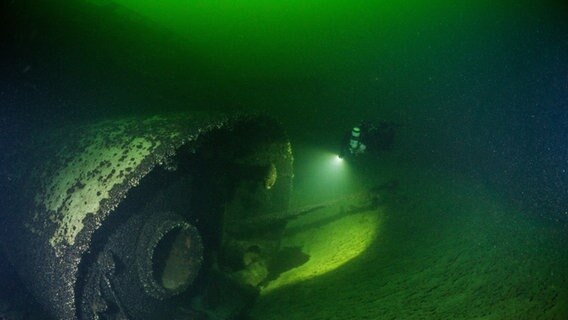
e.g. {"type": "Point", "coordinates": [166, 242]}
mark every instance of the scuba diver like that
{"type": "Point", "coordinates": [367, 138]}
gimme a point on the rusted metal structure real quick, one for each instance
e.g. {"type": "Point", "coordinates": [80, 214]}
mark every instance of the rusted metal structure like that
{"type": "Point", "coordinates": [134, 218]}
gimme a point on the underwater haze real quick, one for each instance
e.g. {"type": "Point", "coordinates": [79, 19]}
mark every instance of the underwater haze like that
{"type": "Point", "coordinates": [471, 215]}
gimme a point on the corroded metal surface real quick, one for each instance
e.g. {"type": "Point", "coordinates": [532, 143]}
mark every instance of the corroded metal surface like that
{"type": "Point", "coordinates": [85, 182]}
{"type": "Point", "coordinates": [107, 155]}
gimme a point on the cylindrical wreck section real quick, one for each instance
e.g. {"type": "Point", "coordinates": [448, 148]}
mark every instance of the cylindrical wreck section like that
{"type": "Point", "coordinates": [139, 218]}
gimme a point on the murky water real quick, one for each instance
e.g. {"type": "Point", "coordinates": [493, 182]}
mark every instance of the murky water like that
{"type": "Point", "coordinates": [473, 219]}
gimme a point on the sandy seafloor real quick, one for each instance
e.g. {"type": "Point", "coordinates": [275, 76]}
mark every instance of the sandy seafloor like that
{"type": "Point", "coordinates": [444, 246]}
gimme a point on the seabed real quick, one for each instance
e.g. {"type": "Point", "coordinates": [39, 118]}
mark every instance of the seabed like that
{"type": "Point", "coordinates": [441, 246]}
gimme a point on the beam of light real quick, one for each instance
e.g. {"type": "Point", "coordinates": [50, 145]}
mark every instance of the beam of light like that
{"type": "Point", "coordinates": [338, 160]}
{"type": "Point", "coordinates": [330, 237]}
{"type": "Point", "coordinates": [321, 175]}
{"type": "Point", "coordinates": [329, 246]}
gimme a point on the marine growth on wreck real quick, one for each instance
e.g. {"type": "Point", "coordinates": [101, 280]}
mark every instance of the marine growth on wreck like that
{"type": "Point", "coordinates": [135, 218]}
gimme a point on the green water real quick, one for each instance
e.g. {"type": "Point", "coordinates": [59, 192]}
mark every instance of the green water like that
{"type": "Point", "coordinates": [446, 248]}
{"type": "Point", "coordinates": [477, 227]}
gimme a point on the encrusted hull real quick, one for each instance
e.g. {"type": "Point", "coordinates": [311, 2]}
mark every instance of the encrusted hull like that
{"type": "Point", "coordinates": [82, 228]}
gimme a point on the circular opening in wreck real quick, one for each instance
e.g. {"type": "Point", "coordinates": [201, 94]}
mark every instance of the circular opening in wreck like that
{"type": "Point", "coordinates": [176, 259]}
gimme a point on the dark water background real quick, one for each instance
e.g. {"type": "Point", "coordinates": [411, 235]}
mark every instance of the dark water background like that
{"type": "Point", "coordinates": [479, 88]}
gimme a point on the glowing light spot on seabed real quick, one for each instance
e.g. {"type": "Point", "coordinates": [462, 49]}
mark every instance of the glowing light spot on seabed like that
{"type": "Point", "coordinates": [329, 246]}
{"type": "Point", "coordinates": [330, 237]}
